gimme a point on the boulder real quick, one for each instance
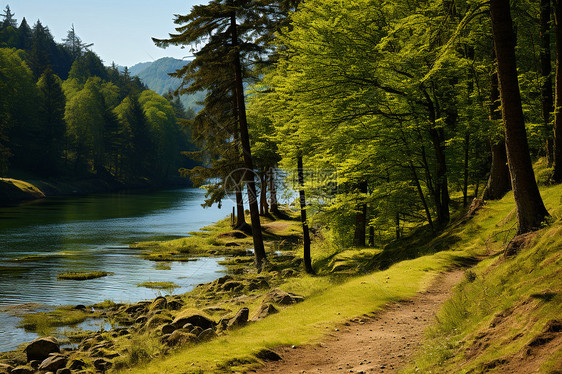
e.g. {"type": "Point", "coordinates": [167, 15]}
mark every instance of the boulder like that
{"type": "Point", "coordinates": [141, 320]}
{"type": "Point", "coordinates": [240, 319]}
{"type": "Point", "coordinates": [158, 320]}
{"type": "Point", "coordinates": [167, 328]}
{"type": "Point", "coordinates": [22, 370]}
{"type": "Point", "coordinates": [53, 363]}
{"type": "Point", "coordinates": [76, 364]}
{"type": "Point", "coordinates": [64, 371]}
{"type": "Point", "coordinates": [174, 305]}
{"type": "Point", "coordinates": [179, 337]}
{"type": "Point", "coordinates": [34, 363]}
{"type": "Point", "coordinates": [196, 318]}
{"type": "Point", "coordinates": [207, 335]}
{"type": "Point", "coordinates": [40, 348]}
{"type": "Point", "coordinates": [102, 364]}
{"type": "Point", "coordinates": [267, 355]}
{"type": "Point", "coordinates": [258, 284]}
{"type": "Point", "coordinates": [281, 297]}
{"type": "Point", "coordinates": [158, 304]}
{"type": "Point", "coordinates": [233, 286]}
{"type": "Point", "coordinates": [263, 311]}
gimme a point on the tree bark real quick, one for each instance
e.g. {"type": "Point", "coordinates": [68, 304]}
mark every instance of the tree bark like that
{"type": "Point", "coordinates": [361, 220]}
{"type": "Point", "coordinates": [273, 194]}
{"type": "Point", "coordinates": [499, 182]}
{"type": "Point", "coordinates": [240, 215]}
{"type": "Point", "coordinates": [259, 249]}
{"type": "Point", "coordinates": [531, 211]}
{"type": "Point", "coordinates": [305, 231]}
{"type": "Point", "coordinates": [557, 154]}
{"type": "Point", "coordinates": [264, 208]}
{"type": "Point", "coordinates": [422, 197]}
{"type": "Point", "coordinates": [546, 73]}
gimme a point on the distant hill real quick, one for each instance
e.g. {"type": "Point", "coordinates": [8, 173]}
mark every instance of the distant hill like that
{"type": "Point", "coordinates": [155, 76]}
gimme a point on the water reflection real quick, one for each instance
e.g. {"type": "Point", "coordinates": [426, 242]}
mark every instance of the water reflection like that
{"type": "Point", "coordinates": [41, 239]}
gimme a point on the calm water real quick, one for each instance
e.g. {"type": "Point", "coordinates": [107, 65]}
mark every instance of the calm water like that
{"type": "Point", "coordinates": [93, 233]}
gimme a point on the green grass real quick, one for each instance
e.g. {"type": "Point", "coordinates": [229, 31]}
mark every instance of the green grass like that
{"type": "Point", "coordinates": [524, 292]}
{"type": "Point", "coordinates": [44, 323]}
{"type": "Point", "coordinates": [83, 275]}
{"type": "Point", "coordinates": [328, 302]}
{"type": "Point", "coordinates": [159, 285]}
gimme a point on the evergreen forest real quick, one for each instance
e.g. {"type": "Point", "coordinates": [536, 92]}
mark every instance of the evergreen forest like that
{"type": "Point", "coordinates": [64, 114]}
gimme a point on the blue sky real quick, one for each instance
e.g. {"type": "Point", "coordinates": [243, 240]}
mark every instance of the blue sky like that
{"type": "Point", "coordinates": [120, 29]}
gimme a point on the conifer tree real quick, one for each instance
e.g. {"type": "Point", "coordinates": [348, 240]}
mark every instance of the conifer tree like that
{"type": "Point", "coordinates": [225, 28]}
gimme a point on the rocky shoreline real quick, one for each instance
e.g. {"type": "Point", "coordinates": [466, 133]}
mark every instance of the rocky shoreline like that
{"type": "Point", "coordinates": [169, 322]}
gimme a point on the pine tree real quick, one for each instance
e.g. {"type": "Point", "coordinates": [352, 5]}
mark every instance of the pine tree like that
{"type": "Point", "coordinates": [225, 27]}
{"type": "Point", "coordinates": [9, 20]}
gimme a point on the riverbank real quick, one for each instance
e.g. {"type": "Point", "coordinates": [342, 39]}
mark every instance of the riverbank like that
{"type": "Point", "coordinates": [244, 320]}
{"type": "Point", "coordinates": [13, 191]}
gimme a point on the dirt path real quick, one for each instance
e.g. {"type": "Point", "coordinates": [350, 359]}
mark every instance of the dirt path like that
{"type": "Point", "coordinates": [383, 343]}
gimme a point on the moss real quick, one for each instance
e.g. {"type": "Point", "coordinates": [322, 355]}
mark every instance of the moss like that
{"type": "Point", "coordinates": [159, 285]}
{"type": "Point", "coordinates": [45, 322]}
{"type": "Point", "coordinates": [83, 275]}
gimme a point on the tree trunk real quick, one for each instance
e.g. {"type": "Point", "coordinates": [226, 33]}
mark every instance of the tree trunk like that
{"type": "Point", "coordinates": [264, 208]}
{"type": "Point", "coordinates": [557, 154]}
{"type": "Point", "coordinates": [546, 73]}
{"type": "Point", "coordinates": [371, 236]}
{"type": "Point", "coordinates": [361, 220]}
{"type": "Point", "coordinates": [530, 208]}
{"type": "Point", "coordinates": [422, 197]}
{"type": "Point", "coordinates": [441, 195]}
{"type": "Point", "coordinates": [305, 233]}
{"type": "Point", "coordinates": [240, 215]}
{"type": "Point", "coordinates": [259, 250]}
{"type": "Point", "coordinates": [499, 182]}
{"type": "Point", "coordinates": [273, 193]}
{"type": "Point", "coordinates": [465, 181]}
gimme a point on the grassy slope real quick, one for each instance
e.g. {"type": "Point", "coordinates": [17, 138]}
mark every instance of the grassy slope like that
{"type": "Point", "coordinates": [491, 287]}
{"type": "Point", "coordinates": [497, 317]}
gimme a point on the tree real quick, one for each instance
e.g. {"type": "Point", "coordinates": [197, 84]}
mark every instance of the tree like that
{"type": "Point", "coordinates": [557, 144]}
{"type": "Point", "coordinates": [9, 20]}
{"type": "Point", "coordinates": [531, 211]}
{"type": "Point", "coordinates": [225, 28]}
{"type": "Point", "coordinates": [74, 44]}
{"type": "Point", "coordinates": [53, 126]}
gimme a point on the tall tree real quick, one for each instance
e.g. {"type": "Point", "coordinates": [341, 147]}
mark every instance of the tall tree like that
{"type": "Point", "coordinates": [225, 28]}
{"type": "Point", "coordinates": [557, 144]}
{"type": "Point", "coordinates": [531, 211]}
{"type": "Point", "coordinates": [9, 20]}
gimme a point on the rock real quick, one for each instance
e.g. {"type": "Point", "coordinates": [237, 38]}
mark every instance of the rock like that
{"type": "Point", "coordinates": [188, 327]}
{"type": "Point", "coordinates": [158, 304]}
{"type": "Point", "coordinates": [53, 363]}
{"type": "Point", "coordinates": [174, 305]}
{"type": "Point", "coordinates": [22, 370]}
{"type": "Point", "coordinates": [80, 307]}
{"type": "Point", "coordinates": [102, 364]}
{"type": "Point", "coordinates": [64, 371]}
{"type": "Point", "coordinates": [267, 355]}
{"type": "Point", "coordinates": [196, 330]}
{"type": "Point", "coordinates": [207, 335]}
{"type": "Point", "coordinates": [167, 328]}
{"type": "Point", "coordinates": [258, 284]}
{"type": "Point", "coordinates": [40, 348]}
{"type": "Point", "coordinates": [158, 320]}
{"type": "Point", "coordinates": [179, 337]}
{"type": "Point", "coordinates": [34, 364]}
{"type": "Point", "coordinates": [288, 273]}
{"type": "Point", "coordinates": [281, 297]}
{"type": "Point", "coordinates": [263, 311]}
{"type": "Point", "coordinates": [141, 320]}
{"type": "Point", "coordinates": [240, 319]}
{"type": "Point", "coordinates": [233, 286]}
{"type": "Point", "coordinates": [195, 318]}
{"type": "Point", "coordinates": [76, 364]}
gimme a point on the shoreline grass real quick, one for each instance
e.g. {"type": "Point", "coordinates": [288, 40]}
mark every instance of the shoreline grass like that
{"type": "Point", "coordinates": [159, 285]}
{"type": "Point", "coordinates": [83, 275]}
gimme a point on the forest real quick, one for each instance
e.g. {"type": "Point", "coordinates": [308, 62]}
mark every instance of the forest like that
{"type": "Point", "coordinates": [389, 116]}
{"type": "Point", "coordinates": [64, 114]}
